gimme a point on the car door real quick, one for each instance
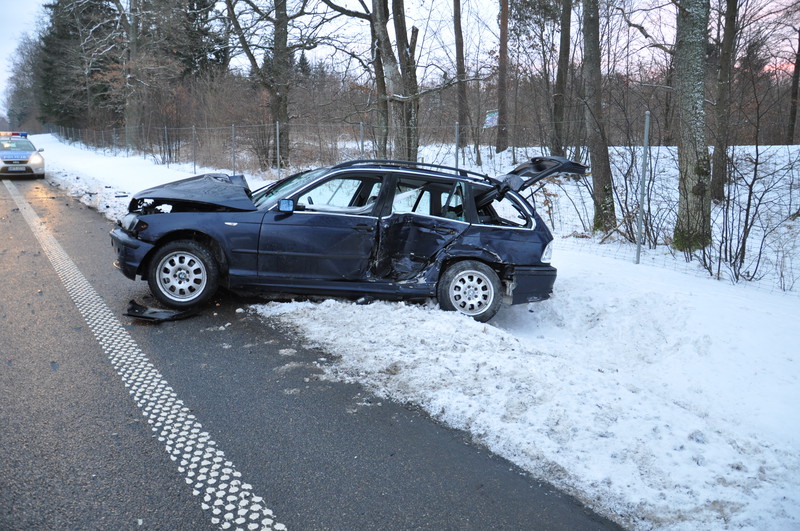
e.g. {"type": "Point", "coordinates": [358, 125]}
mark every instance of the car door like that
{"type": "Point", "coordinates": [426, 216]}
{"type": "Point", "coordinates": [329, 236]}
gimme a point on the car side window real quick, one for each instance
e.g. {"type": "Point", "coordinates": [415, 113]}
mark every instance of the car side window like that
{"type": "Point", "coordinates": [453, 203]}
{"type": "Point", "coordinates": [411, 196]}
{"type": "Point", "coordinates": [429, 198]}
{"type": "Point", "coordinates": [504, 212]}
{"type": "Point", "coordinates": [347, 195]}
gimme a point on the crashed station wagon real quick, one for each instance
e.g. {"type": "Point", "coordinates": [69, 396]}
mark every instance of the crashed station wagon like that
{"type": "Point", "coordinates": [362, 229]}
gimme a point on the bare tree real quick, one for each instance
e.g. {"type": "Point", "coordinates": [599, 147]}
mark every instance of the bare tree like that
{"type": "Point", "coordinates": [719, 166]}
{"type": "Point", "coordinates": [396, 75]}
{"type": "Point", "coordinates": [560, 92]}
{"type": "Point", "coordinates": [408, 104]}
{"type": "Point", "coordinates": [378, 71]}
{"type": "Point", "coordinates": [461, 75]}
{"type": "Point", "coordinates": [795, 95]}
{"type": "Point", "coordinates": [502, 81]}
{"type": "Point", "coordinates": [693, 226]}
{"type": "Point", "coordinates": [251, 21]}
{"type": "Point", "coordinates": [603, 190]}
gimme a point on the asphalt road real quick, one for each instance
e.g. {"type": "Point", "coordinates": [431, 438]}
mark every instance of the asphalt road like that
{"type": "Point", "coordinates": [218, 421]}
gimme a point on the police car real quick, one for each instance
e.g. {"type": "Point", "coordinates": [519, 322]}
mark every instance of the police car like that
{"type": "Point", "coordinates": [18, 156]}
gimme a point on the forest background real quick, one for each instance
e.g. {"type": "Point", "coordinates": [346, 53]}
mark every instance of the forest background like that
{"type": "Point", "coordinates": [262, 85]}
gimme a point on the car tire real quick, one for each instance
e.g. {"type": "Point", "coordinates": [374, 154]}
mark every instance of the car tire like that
{"type": "Point", "coordinates": [472, 288]}
{"type": "Point", "coordinates": [183, 274]}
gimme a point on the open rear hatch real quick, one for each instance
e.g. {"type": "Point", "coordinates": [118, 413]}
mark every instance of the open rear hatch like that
{"type": "Point", "coordinates": [529, 173]}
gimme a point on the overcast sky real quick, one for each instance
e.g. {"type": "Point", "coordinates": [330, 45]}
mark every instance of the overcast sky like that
{"type": "Point", "coordinates": [17, 17]}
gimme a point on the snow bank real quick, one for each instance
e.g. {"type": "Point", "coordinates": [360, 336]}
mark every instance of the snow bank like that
{"type": "Point", "coordinates": [662, 399]}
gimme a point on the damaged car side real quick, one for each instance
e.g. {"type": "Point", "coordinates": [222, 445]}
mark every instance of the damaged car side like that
{"type": "Point", "coordinates": [366, 228]}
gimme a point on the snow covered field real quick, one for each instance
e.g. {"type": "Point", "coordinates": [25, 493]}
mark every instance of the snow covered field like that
{"type": "Point", "coordinates": [662, 398]}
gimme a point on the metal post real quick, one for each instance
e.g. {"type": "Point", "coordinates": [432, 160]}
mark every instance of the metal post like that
{"type": "Point", "coordinates": [642, 184]}
{"type": "Point", "coordinates": [361, 138]}
{"type": "Point", "coordinates": [278, 146]}
{"type": "Point", "coordinates": [166, 146]}
{"type": "Point", "coordinates": [194, 149]}
{"type": "Point", "coordinates": [233, 147]}
{"type": "Point", "coordinates": [458, 132]}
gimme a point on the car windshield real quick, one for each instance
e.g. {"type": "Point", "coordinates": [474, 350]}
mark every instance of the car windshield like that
{"type": "Point", "coordinates": [270, 194]}
{"type": "Point", "coordinates": [16, 145]}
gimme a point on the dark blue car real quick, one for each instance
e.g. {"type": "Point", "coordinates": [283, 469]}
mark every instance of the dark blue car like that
{"type": "Point", "coordinates": [374, 229]}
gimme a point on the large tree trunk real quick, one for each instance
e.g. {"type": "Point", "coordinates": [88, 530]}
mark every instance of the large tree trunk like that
{"type": "Point", "coordinates": [409, 104]}
{"type": "Point", "coordinates": [382, 103]}
{"type": "Point", "coordinates": [604, 213]}
{"type": "Point", "coordinates": [279, 85]}
{"type": "Point", "coordinates": [461, 76]}
{"type": "Point", "coordinates": [501, 143]}
{"type": "Point", "coordinates": [719, 167]}
{"type": "Point", "coordinates": [693, 226]}
{"type": "Point", "coordinates": [391, 73]}
{"type": "Point", "coordinates": [559, 94]}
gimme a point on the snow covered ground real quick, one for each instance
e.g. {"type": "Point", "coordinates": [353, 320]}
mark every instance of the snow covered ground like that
{"type": "Point", "coordinates": [663, 399]}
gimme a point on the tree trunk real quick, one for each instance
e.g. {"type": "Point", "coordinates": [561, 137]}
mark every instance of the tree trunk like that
{"type": "Point", "coordinates": [279, 85]}
{"type": "Point", "coordinates": [502, 81]}
{"type": "Point", "coordinates": [461, 75]}
{"type": "Point", "coordinates": [133, 116]}
{"type": "Point", "coordinates": [669, 108]}
{"type": "Point", "coordinates": [719, 166]}
{"type": "Point", "coordinates": [604, 213]}
{"type": "Point", "coordinates": [391, 72]}
{"type": "Point", "coordinates": [409, 104]}
{"type": "Point", "coordinates": [795, 96]}
{"type": "Point", "coordinates": [559, 94]}
{"type": "Point", "coordinates": [382, 102]}
{"type": "Point", "coordinates": [693, 226]}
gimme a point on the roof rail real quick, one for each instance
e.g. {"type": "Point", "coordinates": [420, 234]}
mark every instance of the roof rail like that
{"type": "Point", "coordinates": [407, 164]}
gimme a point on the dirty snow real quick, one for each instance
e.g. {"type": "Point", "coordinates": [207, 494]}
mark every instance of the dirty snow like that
{"type": "Point", "coordinates": [663, 399]}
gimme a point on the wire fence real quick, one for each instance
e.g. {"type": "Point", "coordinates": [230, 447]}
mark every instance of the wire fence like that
{"type": "Point", "coordinates": [257, 149]}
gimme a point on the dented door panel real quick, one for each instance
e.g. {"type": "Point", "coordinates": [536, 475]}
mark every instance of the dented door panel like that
{"type": "Point", "coordinates": [410, 243]}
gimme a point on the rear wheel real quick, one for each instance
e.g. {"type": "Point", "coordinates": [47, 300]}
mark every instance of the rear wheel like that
{"type": "Point", "coordinates": [472, 288]}
{"type": "Point", "coordinates": [183, 274]}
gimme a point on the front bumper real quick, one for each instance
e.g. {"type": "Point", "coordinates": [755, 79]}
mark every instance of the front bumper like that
{"type": "Point", "coordinates": [131, 253]}
{"type": "Point", "coordinates": [531, 284]}
{"type": "Point", "coordinates": [21, 170]}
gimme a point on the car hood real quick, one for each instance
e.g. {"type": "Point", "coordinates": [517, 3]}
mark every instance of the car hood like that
{"type": "Point", "coordinates": [229, 191]}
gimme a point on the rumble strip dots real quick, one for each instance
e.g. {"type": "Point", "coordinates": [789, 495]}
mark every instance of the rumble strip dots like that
{"type": "Point", "coordinates": [230, 501]}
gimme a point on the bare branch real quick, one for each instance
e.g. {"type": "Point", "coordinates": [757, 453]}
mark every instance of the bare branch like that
{"type": "Point", "coordinates": [645, 34]}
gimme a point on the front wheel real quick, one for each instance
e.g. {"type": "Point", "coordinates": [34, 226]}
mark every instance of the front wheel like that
{"type": "Point", "coordinates": [472, 288]}
{"type": "Point", "coordinates": [183, 274]}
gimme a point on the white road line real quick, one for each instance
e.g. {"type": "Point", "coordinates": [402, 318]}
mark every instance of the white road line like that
{"type": "Point", "coordinates": [230, 501]}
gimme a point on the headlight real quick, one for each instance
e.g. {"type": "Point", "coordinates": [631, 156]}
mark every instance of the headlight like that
{"type": "Point", "coordinates": [547, 255]}
{"type": "Point", "coordinates": [132, 224]}
{"type": "Point", "coordinates": [36, 158]}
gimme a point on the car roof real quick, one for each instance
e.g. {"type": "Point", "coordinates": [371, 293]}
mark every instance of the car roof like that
{"type": "Point", "coordinates": [434, 170]}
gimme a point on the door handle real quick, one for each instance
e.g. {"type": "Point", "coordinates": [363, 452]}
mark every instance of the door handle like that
{"type": "Point", "coordinates": [363, 227]}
